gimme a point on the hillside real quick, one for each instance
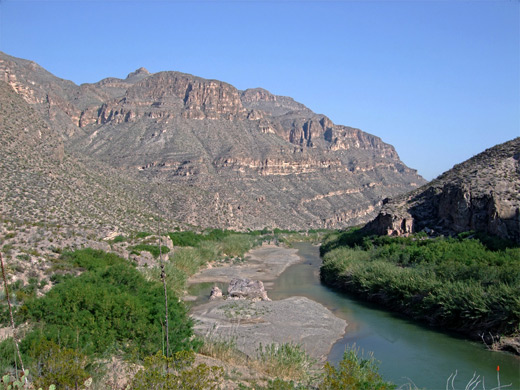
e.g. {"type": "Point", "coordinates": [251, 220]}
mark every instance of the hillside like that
{"type": "Point", "coordinates": [481, 194]}
{"type": "Point", "coordinates": [219, 156]}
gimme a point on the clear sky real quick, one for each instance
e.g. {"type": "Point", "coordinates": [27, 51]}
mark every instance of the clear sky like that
{"type": "Point", "coordinates": [439, 80]}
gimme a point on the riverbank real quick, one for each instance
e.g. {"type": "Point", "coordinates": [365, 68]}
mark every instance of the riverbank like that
{"type": "Point", "coordinates": [250, 324]}
{"type": "Point", "coordinates": [405, 349]}
{"type": "Point", "coordinates": [466, 285]}
{"type": "Point", "coordinates": [296, 320]}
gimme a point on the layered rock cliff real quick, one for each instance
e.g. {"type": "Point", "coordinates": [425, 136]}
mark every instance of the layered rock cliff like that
{"type": "Point", "coordinates": [481, 194]}
{"type": "Point", "coordinates": [252, 158]}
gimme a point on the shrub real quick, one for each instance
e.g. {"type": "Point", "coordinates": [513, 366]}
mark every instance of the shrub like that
{"type": "Point", "coordinates": [176, 372]}
{"type": "Point", "coordinates": [354, 373]}
{"type": "Point", "coordinates": [187, 238]}
{"type": "Point", "coordinates": [91, 259]}
{"type": "Point", "coordinates": [188, 260]}
{"type": "Point", "coordinates": [458, 284]}
{"type": "Point", "coordinates": [63, 367]}
{"type": "Point", "coordinates": [176, 278]}
{"type": "Point", "coordinates": [153, 249]}
{"type": "Point", "coordinates": [106, 307]}
{"type": "Point", "coordinates": [237, 244]}
{"type": "Point", "coordinates": [285, 361]}
{"type": "Point", "coordinates": [118, 239]}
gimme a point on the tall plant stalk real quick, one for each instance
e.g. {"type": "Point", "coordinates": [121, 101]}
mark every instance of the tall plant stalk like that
{"type": "Point", "coordinates": [6, 288]}
{"type": "Point", "coordinates": [163, 278]}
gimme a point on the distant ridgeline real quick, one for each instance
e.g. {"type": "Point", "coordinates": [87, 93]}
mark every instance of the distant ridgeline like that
{"type": "Point", "coordinates": [223, 157]}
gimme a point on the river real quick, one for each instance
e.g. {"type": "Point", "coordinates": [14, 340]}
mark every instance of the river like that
{"type": "Point", "coordinates": [407, 352]}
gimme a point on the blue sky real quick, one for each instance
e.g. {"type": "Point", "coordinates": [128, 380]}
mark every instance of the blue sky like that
{"type": "Point", "coordinates": [439, 80]}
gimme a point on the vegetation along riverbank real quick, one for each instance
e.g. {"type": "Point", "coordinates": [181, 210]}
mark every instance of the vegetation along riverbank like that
{"type": "Point", "coordinates": [97, 320]}
{"type": "Point", "coordinates": [469, 284]}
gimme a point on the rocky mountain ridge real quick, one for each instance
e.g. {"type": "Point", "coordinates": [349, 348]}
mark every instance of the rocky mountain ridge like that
{"type": "Point", "coordinates": [252, 158]}
{"type": "Point", "coordinates": [481, 194]}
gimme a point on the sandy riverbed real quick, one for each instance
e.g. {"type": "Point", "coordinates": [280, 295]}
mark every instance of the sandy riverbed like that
{"type": "Point", "coordinates": [264, 263]}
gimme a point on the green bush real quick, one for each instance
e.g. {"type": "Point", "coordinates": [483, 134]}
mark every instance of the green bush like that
{"type": "Point", "coordinates": [118, 239]}
{"type": "Point", "coordinates": [153, 249]}
{"type": "Point", "coordinates": [63, 367]}
{"type": "Point", "coordinates": [91, 259]}
{"type": "Point", "coordinates": [7, 355]}
{"type": "Point", "coordinates": [187, 238]}
{"type": "Point", "coordinates": [286, 361]}
{"type": "Point", "coordinates": [106, 307]}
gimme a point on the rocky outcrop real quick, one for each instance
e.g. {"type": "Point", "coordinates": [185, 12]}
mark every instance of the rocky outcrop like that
{"type": "Point", "coordinates": [247, 289]}
{"type": "Point", "coordinates": [481, 194]}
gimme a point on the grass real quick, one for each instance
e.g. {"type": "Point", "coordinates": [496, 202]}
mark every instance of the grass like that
{"type": "Point", "coordinates": [354, 372]}
{"type": "Point", "coordinates": [222, 349]}
{"type": "Point", "coordinates": [286, 361]}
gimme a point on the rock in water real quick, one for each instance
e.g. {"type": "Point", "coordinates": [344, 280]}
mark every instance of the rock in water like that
{"type": "Point", "coordinates": [247, 289]}
{"type": "Point", "coordinates": [215, 293]}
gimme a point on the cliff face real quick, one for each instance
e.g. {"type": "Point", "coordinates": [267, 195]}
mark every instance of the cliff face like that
{"type": "Point", "coordinates": [254, 159]}
{"type": "Point", "coordinates": [482, 194]}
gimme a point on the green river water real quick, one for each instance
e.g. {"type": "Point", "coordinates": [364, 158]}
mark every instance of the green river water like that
{"type": "Point", "coordinates": [407, 352]}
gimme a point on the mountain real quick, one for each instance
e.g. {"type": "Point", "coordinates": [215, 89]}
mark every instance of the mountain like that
{"type": "Point", "coordinates": [481, 194]}
{"type": "Point", "coordinates": [44, 184]}
{"type": "Point", "coordinates": [218, 156]}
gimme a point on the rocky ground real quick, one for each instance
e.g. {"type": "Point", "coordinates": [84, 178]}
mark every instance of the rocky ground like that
{"type": "Point", "coordinates": [250, 324]}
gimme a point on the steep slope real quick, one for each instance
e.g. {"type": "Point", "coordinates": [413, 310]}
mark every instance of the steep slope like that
{"type": "Point", "coordinates": [45, 185]}
{"type": "Point", "coordinates": [482, 194]}
{"type": "Point", "coordinates": [236, 159]}
{"type": "Point", "coordinates": [41, 183]}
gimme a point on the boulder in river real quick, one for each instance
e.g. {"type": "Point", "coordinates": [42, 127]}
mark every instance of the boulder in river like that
{"type": "Point", "coordinates": [247, 289]}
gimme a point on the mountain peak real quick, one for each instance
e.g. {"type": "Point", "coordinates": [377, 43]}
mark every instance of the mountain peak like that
{"type": "Point", "coordinates": [141, 72]}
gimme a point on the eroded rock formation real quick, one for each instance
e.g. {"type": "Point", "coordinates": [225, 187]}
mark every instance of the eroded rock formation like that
{"type": "Point", "coordinates": [481, 194]}
{"type": "Point", "coordinates": [226, 158]}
